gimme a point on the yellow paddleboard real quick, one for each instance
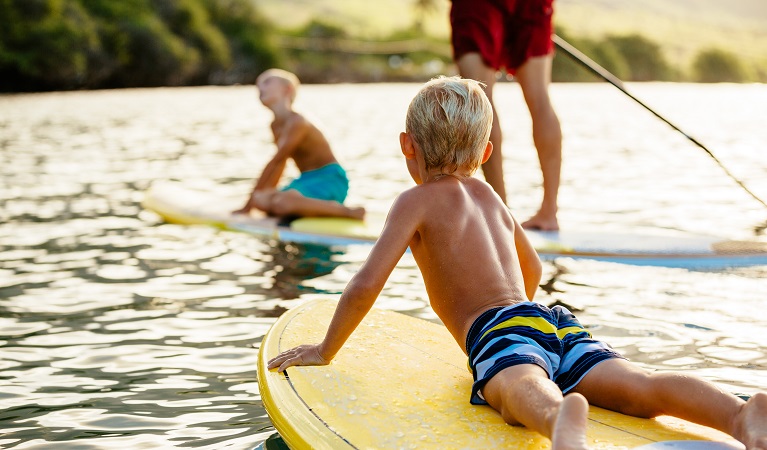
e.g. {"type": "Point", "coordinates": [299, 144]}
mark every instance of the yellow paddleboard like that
{"type": "Point", "coordinates": [401, 382]}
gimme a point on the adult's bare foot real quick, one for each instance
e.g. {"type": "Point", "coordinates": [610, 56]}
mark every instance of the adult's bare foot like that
{"type": "Point", "coordinates": [542, 222]}
{"type": "Point", "coordinates": [570, 427]}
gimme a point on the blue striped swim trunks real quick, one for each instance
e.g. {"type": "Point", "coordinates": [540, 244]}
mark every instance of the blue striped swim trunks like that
{"type": "Point", "coordinates": [530, 333]}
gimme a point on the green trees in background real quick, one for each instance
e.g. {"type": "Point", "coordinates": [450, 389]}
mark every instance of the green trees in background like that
{"type": "Point", "coordinates": [323, 52]}
{"type": "Point", "coordinates": [45, 40]}
{"type": "Point", "coordinates": [630, 57]}
{"type": "Point", "coordinates": [643, 57]}
{"type": "Point", "coordinates": [76, 44]}
{"type": "Point", "coordinates": [635, 58]}
{"type": "Point", "coordinates": [309, 55]}
{"type": "Point", "coordinates": [69, 44]}
{"type": "Point", "coordinates": [250, 39]}
{"type": "Point", "coordinates": [566, 69]}
{"type": "Point", "coordinates": [715, 65]}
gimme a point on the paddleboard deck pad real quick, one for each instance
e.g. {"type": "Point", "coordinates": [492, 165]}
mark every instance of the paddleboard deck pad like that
{"type": "Point", "coordinates": [176, 203]}
{"type": "Point", "coordinates": [403, 382]}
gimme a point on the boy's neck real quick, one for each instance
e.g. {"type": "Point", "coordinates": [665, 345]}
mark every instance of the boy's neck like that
{"type": "Point", "coordinates": [438, 174]}
{"type": "Point", "coordinates": [281, 110]}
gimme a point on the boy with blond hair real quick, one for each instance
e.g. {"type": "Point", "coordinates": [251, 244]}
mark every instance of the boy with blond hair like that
{"type": "Point", "coordinates": [322, 187]}
{"type": "Point", "coordinates": [481, 273]}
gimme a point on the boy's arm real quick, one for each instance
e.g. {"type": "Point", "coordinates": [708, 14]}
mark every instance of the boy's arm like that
{"type": "Point", "coordinates": [528, 260]}
{"type": "Point", "coordinates": [291, 136]}
{"type": "Point", "coordinates": [363, 289]}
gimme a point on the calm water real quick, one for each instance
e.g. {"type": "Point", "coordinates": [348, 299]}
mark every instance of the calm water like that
{"type": "Point", "coordinates": [119, 331]}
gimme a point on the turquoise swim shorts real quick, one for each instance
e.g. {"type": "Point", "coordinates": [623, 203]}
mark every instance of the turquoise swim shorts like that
{"type": "Point", "coordinates": [329, 182]}
{"type": "Point", "coordinates": [530, 333]}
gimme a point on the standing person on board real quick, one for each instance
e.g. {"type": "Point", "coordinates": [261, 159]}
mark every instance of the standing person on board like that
{"type": "Point", "coordinates": [491, 35]}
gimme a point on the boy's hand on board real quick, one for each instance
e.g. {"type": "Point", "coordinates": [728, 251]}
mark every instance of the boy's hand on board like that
{"type": "Point", "coordinates": [303, 355]}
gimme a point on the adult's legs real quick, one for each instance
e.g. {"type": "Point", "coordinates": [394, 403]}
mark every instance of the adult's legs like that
{"type": "Point", "coordinates": [523, 394]}
{"type": "Point", "coordinates": [621, 386]}
{"type": "Point", "coordinates": [471, 65]}
{"type": "Point", "coordinates": [534, 77]}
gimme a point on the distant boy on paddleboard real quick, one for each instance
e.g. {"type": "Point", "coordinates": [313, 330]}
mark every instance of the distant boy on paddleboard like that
{"type": "Point", "coordinates": [321, 188]}
{"type": "Point", "coordinates": [481, 272]}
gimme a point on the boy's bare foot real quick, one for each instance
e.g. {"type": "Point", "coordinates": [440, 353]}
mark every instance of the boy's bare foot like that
{"type": "Point", "coordinates": [750, 425]}
{"type": "Point", "coordinates": [570, 427]}
{"type": "Point", "coordinates": [542, 222]}
{"type": "Point", "coordinates": [357, 213]}
{"type": "Point", "coordinates": [241, 212]}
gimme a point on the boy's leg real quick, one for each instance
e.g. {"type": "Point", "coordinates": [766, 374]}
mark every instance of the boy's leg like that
{"type": "Point", "coordinates": [621, 386]}
{"type": "Point", "coordinates": [534, 77]}
{"type": "Point", "coordinates": [523, 394]}
{"type": "Point", "coordinates": [262, 199]}
{"type": "Point", "coordinates": [291, 202]}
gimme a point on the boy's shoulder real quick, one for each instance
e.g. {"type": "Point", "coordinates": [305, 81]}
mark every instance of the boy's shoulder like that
{"type": "Point", "coordinates": [294, 124]}
{"type": "Point", "coordinates": [299, 120]}
{"type": "Point", "coordinates": [414, 198]}
{"type": "Point", "coordinates": [440, 195]}
{"type": "Point", "coordinates": [296, 118]}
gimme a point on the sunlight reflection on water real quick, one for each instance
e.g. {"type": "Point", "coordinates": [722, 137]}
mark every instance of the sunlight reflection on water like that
{"type": "Point", "coordinates": [119, 331]}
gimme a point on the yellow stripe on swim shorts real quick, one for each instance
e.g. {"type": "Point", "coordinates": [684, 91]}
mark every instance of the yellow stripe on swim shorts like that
{"type": "Point", "coordinates": [562, 332]}
{"type": "Point", "coordinates": [537, 323]}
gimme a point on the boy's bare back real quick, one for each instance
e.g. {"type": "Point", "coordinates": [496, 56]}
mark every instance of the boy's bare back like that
{"type": "Point", "coordinates": [306, 144]}
{"type": "Point", "coordinates": [472, 253]}
{"type": "Point", "coordinates": [469, 249]}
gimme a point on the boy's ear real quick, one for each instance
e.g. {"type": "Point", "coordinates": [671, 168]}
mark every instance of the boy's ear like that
{"type": "Point", "coordinates": [406, 143]}
{"type": "Point", "coordinates": [488, 152]}
{"type": "Point", "coordinates": [290, 91]}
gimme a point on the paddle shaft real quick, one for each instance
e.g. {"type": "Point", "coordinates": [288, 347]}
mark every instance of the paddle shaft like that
{"type": "Point", "coordinates": [603, 73]}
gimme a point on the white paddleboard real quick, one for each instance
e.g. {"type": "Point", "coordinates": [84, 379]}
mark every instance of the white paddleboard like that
{"type": "Point", "coordinates": [177, 203]}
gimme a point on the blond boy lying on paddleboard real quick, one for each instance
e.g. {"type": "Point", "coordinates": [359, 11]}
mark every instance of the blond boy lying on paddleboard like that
{"type": "Point", "coordinates": [537, 366]}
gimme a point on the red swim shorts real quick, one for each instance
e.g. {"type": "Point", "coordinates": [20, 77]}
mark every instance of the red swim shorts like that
{"type": "Point", "coordinates": [504, 32]}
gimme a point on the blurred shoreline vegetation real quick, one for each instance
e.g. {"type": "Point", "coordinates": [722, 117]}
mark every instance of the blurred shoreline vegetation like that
{"type": "Point", "coordinates": [80, 44]}
{"type": "Point", "coordinates": [97, 44]}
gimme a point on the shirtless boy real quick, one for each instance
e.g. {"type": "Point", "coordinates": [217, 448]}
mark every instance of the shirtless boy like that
{"type": "Point", "coordinates": [321, 188]}
{"type": "Point", "coordinates": [481, 272]}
